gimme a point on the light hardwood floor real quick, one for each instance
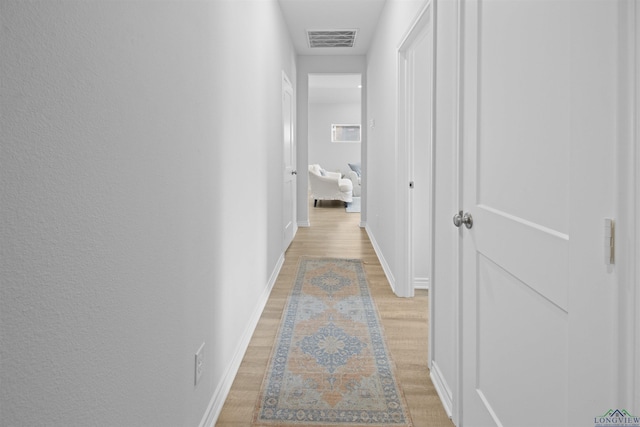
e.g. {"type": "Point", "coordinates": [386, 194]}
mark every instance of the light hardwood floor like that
{"type": "Point", "coordinates": [335, 233]}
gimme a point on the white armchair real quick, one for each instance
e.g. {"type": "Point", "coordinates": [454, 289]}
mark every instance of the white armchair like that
{"type": "Point", "coordinates": [355, 181]}
{"type": "Point", "coordinates": [329, 186]}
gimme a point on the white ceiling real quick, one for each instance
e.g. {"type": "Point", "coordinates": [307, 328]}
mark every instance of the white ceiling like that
{"type": "Point", "coordinates": [303, 15]}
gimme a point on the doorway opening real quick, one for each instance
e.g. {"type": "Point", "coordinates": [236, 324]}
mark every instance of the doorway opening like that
{"type": "Point", "coordinates": [335, 141]}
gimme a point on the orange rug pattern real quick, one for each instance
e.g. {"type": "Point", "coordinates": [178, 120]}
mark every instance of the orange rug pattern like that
{"type": "Point", "coordinates": [330, 365]}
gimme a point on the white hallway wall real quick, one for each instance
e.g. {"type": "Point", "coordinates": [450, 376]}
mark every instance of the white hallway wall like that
{"type": "Point", "coordinates": [382, 70]}
{"type": "Point", "coordinates": [138, 186]}
{"type": "Point", "coordinates": [332, 156]}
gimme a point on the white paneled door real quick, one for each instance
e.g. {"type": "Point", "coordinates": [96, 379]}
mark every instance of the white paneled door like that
{"type": "Point", "coordinates": [289, 162]}
{"type": "Point", "coordinates": [538, 143]}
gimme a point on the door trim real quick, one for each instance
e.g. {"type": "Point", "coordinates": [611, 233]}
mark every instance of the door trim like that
{"type": "Point", "coordinates": [457, 398]}
{"type": "Point", "coordinates": [447, 388]}
{"type": "Point", "coordinates": [635, 202]}
{"type": "Point", "coordinates": [628, 209]}
{"type": "Point", "coordinates": [287, 86]}
{"type": "Point", "coordinates": [404, 204]}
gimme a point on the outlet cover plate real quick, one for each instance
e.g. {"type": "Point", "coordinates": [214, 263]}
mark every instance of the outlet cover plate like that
{"type": "Point", "coordinates": [199, 364]}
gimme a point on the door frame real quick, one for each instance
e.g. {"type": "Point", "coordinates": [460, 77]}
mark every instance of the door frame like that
{"type": "Point", "coordinates": [456, 405]}
{"type": "Point", "coordinates": [446, 20]}
{"type": "Point", "coordinates": [314, 64]}
{"type": "Point", "coordinates": [628, 209]}
{"type": "Point", "coordinates": [287, 86]}
{"type": "Point", "coordinates": [633, 200]}
{"type": "Point", "coordinates": [404, 150]}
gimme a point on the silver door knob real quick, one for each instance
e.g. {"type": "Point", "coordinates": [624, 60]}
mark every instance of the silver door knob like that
{"type": "Point", "coordinates": [457, 219]}
{"type": "Point", "coordinates": [467, 220]}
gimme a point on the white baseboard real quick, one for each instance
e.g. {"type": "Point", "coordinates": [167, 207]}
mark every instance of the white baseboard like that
{"type": "Point", "coordinates": [383, 261]}
{"type": "Point", "coordinates": [222, 391]}
{"type": "Point", "coordinates": [442, 389]}
{"type": "Point", "coordinates": [304, 223]}
{"type": "Point", "coordinates": [421, 283]}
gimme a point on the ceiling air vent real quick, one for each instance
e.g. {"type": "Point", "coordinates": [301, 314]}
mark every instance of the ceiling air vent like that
{"type": "Point", "coordinates": [331, 38]}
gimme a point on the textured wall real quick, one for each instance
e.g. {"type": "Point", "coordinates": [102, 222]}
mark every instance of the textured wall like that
{"type": "Point", "coordinates": [134, 194]}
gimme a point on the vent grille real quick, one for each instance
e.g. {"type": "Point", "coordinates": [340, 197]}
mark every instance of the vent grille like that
{"type": "Point", "coordinates": [331, 38]}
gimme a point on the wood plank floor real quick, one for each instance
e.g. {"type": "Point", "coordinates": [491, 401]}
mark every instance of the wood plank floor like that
{"type": "Point", "coordinates": [335, 233]}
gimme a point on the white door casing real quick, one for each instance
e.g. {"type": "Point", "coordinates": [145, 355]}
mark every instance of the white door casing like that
{"type": "Point", "coordinates": [414, 153]}
{"type": "Point", "coordinates": [443, 290]}
{"type": "Point", "coordinates": [635, 203]}
{"type": "Point", "coordinates": [421, 166]}
{"type": "Point", "coordinates": [289, 163]}
{"type": "Point", "coordinates": [628, 247]}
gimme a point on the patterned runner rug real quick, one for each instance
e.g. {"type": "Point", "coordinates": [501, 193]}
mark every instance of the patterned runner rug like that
{"type": "Point", "coordinates": [330, 365]}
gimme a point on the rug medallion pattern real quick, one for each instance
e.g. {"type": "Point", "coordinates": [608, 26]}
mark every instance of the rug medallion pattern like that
{"type": "Point", "coordinates": [330, 364]}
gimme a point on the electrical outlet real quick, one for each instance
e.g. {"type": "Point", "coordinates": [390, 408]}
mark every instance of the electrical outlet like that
{"type": "Point", "coordinates": [199, 363]}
